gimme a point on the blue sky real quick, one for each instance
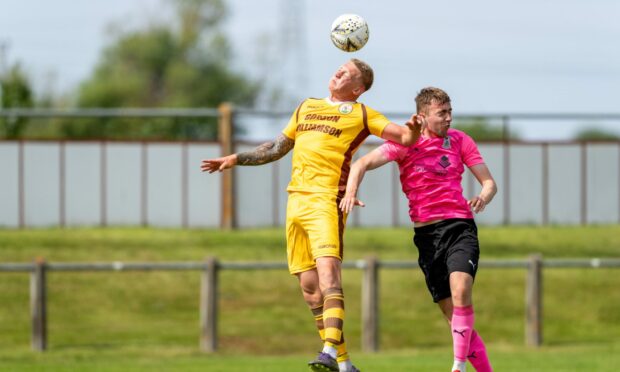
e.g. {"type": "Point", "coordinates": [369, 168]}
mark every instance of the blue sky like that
{"type": "Point", "coordinates": [527, 56]}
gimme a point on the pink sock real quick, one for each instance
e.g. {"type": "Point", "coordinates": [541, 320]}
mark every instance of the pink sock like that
{"type": "Point", "coordinates": [478, 354]}
{"type": "Point", "coordinates": [462, 326]}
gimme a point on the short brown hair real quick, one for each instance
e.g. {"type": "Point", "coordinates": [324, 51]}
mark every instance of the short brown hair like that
{"type": "Point", "coordinates": [367, 74]}
{"type": "Point", "coordinates": [429, 94]}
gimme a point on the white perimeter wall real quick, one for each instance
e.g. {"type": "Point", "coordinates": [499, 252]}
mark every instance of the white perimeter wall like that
{"type": "Point", "coordinates": [52, 183]}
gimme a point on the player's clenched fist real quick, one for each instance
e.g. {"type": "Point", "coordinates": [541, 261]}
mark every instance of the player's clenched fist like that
{"type": "Point", "coordinates": [219, 164]}
{"type": "Point", "coordinates": [415, 122]}
{"type": "Point", "coordinates": [415, 125]}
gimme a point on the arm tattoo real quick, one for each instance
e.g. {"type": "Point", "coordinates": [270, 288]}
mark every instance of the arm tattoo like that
{"type": "Point", "coordinates": [267, 152]}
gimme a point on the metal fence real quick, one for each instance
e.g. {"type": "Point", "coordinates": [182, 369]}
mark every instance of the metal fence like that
{"type": "Point", "coordinates": [158, 183]}
{"type": "Point", "coordinates": [211, 267]}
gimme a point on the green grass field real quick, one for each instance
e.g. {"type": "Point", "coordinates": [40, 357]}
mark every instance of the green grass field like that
{"type": "Point", "coordinates": [137, 321]}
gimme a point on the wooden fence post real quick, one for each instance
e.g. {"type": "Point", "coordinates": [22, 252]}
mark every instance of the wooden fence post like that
{"type": "Point", "coordinates": [370, 306]}
{"type": "Point", "coordinates": [533, 302]}
{"type": "Point", "coordinates": [38, 307]}
{"type": "Point", "coordinates": [225, 135]}
{"type": "Point", "coordinates": [208, 306]}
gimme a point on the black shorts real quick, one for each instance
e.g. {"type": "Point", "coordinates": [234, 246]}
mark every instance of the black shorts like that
{"type": "Point", "coordinates": [445, 247]}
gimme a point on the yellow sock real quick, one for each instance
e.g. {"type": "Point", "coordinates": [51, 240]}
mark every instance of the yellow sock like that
{"type": "Point", "coordinates": [343, 354]}
{"type": "Point", "coordinates": [317, 312]}
{"type": "Point", "coordinates": [333, 316]}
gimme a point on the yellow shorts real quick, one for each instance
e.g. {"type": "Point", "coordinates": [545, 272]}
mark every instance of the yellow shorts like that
{"type": "Point", "coordinates": [314, 228]}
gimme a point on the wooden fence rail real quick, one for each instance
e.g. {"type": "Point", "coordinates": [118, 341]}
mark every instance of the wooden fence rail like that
{"type": "Point", "coordinates": [370, 289]}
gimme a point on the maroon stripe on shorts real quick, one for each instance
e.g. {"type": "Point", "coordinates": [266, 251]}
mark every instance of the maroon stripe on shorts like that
{"type": "Point", "coordinates": [344, 175]}
{"type": "Point", "coordinates": [340, 227]}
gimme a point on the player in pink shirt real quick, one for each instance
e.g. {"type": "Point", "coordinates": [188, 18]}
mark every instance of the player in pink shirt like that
{"type": "Point", "coordinates": [445, 232]}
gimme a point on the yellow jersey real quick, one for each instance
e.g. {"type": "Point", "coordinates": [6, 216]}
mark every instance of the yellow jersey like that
{"type": "Point", "coordinates": [326, 136]}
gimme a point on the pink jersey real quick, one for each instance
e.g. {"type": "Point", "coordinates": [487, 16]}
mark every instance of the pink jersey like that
{"type": "Point", "coordinates": [430, 174]}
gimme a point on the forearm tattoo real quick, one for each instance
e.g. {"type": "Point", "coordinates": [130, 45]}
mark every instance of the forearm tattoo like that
{"type": "Point", "coordinates": [267, 152]}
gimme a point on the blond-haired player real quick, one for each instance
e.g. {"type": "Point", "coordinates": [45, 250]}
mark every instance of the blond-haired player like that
{"type": "Point", "coordinates": [323, 134]}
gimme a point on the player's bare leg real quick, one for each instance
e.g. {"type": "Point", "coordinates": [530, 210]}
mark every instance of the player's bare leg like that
{"type": "Point", "coordinates": [328, 273]}
{"type": "Point", "coordinates": [461, 296]}
{"type": "Point", "coordinates": [309, 283]}
{"type": "Point", "coordinates": [462, 321]}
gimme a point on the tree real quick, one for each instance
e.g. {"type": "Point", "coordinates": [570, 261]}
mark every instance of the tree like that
{"type": "Point", "coordinates": [16, 93]}
{"type": "Point", "coordinates": [596, 134]}
{"type": "Point", "coordinates": [480, 130]}
{"type": "Point", "coordinates": [183, 64]}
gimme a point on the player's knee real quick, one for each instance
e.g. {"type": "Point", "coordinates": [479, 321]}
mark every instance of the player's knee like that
{"type": "Point", "coordinates": [461, 296]}
{"type": "Point", "coordinates": [312, 295]}
{"type": "Point", "coordinates": [329, 279]}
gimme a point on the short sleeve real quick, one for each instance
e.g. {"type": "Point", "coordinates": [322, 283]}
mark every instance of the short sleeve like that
{"type": "Point", "coordinates": [376, 122]}
{"type": "Point", "coordinates": [291, 127]}
{"type": "Point", "coordinates": [469, 152]}
{"type": "Point", "coordinates": [393, 151]}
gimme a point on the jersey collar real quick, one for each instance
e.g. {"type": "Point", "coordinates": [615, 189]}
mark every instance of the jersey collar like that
{"type": "Point", "coordinates": [334, 103]}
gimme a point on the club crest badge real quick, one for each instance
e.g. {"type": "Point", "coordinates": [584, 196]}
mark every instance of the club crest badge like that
{"type": "Point", "coordinates": [444, 162]}
{"type": "Point", "coordinates": [446, 142]}
{"type": "Point", "coordinates": [345, 108]}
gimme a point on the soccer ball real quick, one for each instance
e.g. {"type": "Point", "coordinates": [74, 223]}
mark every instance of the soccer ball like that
{"type": "Point", "coordinates": [349, 32]}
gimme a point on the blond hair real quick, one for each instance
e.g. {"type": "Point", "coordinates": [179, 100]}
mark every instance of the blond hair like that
{"type": "Point", "coordinates": [367, 75]}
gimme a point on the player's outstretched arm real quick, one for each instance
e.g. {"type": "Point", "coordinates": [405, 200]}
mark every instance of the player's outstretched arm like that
{"type": "Point", "coordinates": [372, 160]}
{"type": "Point", "coordinates": [489, 188]}
{"type": "Point", "coordinates": [405, 135]}
{"type": "Point", "coordinates": [263, 154]}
